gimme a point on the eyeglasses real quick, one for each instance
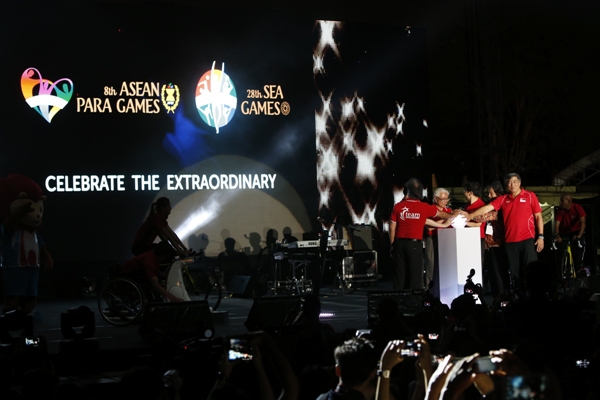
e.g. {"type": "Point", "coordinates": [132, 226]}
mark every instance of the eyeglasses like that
{"type": "Point", "coordinates": [441, 199]}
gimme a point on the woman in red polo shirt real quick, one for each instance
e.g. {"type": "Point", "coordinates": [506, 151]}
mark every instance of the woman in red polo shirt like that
{"type": "Point", "coordinates": [473, 196]}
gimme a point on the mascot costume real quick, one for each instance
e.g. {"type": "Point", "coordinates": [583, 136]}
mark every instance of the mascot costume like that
{"type": "Point", "coordinates": [22, 249]}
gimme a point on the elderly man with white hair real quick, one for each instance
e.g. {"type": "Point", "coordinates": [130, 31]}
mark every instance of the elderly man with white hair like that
{"type": "Point", "coordinates": [441, 197]}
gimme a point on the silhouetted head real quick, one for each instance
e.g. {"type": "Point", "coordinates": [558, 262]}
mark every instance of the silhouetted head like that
{"type": "Point", "coordinates": [566, 200]}
{"type": "Point", "coordinates": [162, 206]}
{"type": "Point", "coordinates": [229, 244]}
{"type": "Point", "coordinates": [494, 190]}
{"type": "Point", "coordinates": [143, 383]}
{"type": "Point", "coordinates": [474, 188]}
{"type": "Point", "coordinates": [414, 189]}
{"type": "Point", "coordinates": [355, 361]}
{"type": "Point", "coordinates": [463, 306]}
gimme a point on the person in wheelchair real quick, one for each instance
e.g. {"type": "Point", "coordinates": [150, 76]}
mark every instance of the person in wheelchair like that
{"type": "Point", "coordinates": [156, 225]}
{"type": "Point", "coordinates": [145, 268]}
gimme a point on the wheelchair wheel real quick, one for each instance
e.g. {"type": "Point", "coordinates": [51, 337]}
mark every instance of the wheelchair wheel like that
{"type": "Point", "coordinates": [201, 285]}
{"type": "Point", "coordinates": [121, 302]}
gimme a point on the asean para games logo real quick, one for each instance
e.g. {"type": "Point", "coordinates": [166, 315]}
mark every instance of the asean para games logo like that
{"type": "Point", "coordinates": [43, 95]}
{"type": "Point", "coordinates": [216, 98]}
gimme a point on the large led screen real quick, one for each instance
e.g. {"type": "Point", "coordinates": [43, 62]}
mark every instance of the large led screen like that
{"type": "Point", "coordinates": [247, 122]}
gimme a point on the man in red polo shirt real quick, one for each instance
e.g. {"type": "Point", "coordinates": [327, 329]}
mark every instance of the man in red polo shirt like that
{"type": "Point", "coordinates": [570, 225]}
{"type": "Point", "coordinates": [522, 216]}
{"type": "Point", "coordinates": [441, 197]}
{"type": "Point", "coordinates": [406, 234]}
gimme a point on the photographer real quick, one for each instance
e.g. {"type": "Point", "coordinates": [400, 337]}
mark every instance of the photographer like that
{"type": "Point", "coordinates": [463, 335]}
{"type": "Point", "coordinates": [394, 353]}
{"type": "Point", "coordinates": [234, 374]}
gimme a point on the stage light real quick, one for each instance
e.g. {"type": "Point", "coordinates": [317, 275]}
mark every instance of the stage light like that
{"type": "Point", "coordinates": [201, 217]}
{"type": "Point", "coordinates": [81, 317]}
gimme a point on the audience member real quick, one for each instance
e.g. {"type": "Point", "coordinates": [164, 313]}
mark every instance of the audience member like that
{"type": "Point", "coordinates": [356, 367]}
{"type": "Point", "coordinates": [314, 380]}
{"type": "Point", "coordinates": [533, 330]}
{"type": "Point", "coordinates": [37, 384]}
{"type": "Point", "coordinates": [315, 343]}
{"type": "Point", "coordinates": [142, 383]}
{"type": "Point", "coordinates": [252, 378]}
{"type": "Point", "coordinates": [462, 336]}
{"type": "Point", "coordinates": [391, 324]}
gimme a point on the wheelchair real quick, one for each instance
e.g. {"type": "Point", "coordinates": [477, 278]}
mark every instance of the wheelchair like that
{"type": "Point", "coordinates": [122, 300]}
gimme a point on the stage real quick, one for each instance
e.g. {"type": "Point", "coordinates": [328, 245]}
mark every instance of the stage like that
{"type": "Point", "coordinates": [342, 311]}
{"type": "Point", "coordinates": [101, 361]}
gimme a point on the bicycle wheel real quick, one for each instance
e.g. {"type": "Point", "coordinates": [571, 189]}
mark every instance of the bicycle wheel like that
{"type": "Point", "coordinates": [203, 286]}
{"type": "Point", "coordinates": [121, 302]}
{"type": "Point", "coordinates": [568, 272]}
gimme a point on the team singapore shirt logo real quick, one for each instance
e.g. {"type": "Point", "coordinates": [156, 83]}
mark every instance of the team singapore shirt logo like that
{"type": "Point", "coordinates": [50, 97]}
{"type": "Point", "coordinates": [216, 98]}
{"type": "Point", "coordinates": [405, 214]}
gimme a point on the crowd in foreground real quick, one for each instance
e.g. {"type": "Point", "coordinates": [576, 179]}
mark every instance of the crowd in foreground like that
{"type": "Point", "coordinates": [534, 346]}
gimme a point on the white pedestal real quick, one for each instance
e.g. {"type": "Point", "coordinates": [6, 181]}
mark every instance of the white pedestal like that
{"type": "Point", "coordinates": [459, 251]}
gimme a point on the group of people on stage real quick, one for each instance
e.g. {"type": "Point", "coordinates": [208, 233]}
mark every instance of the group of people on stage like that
{"type": "Point", "coordinates": [511, 230]}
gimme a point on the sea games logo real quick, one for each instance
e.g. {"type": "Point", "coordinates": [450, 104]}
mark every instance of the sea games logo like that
{"type": "Point", "coordinates": [216, 98]}
{"type": "Point", "coordinates": [404, 214]}
{"type": "Point", "coordinates": [50, 97]}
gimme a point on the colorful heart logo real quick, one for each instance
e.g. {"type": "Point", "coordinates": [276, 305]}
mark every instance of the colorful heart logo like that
{"type": "Point", "coordinates": [50, 98]}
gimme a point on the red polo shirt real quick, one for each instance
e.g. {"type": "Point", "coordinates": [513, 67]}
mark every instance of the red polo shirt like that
{"type": "Point", "coordinates": [471, 208]}
{"type": "Point", "coordinates": [409, 216]}
{"type": "Point", "coordinates": [570, 219]}
{"type": "Point", "coordinates": [518, 214]}
{"type": "Point", "coordinates": [433, 232]}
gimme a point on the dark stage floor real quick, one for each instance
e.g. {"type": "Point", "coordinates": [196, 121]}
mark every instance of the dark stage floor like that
{"type": "Point", "coordinates": [121, 348]}
{"type": "Point", "coordinates": [342, 311]}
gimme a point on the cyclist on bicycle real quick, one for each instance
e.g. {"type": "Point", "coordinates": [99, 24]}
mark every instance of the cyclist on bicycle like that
{"type": "Point", "coordinates": [155, 225]}
{"type": "Point", "coordinates": [570, 225]}
{"type": "Point", "coordinates": [146, 268]}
